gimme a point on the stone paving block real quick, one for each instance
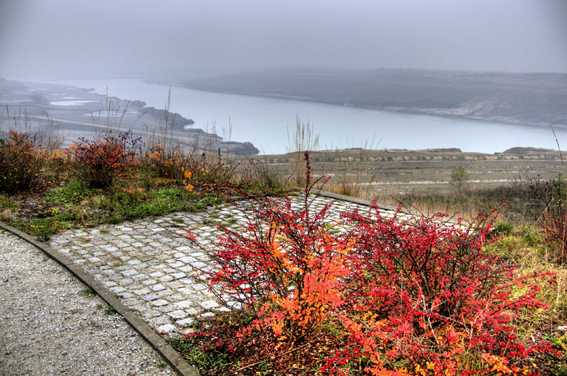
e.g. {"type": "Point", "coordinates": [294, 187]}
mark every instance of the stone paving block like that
{"type": "Point", "coordinates": [152, 313]}
{"type": "Point", "coordinates": [199, 287]}
{"type": "Point", "coordinates": [208, 304]}
{"type": "Point", "coordinates": [185, 322]}
{"type": "Point", "coordinates": [184, 304]}
{"type": "Point", "coordinates": [129, 272]}
{"type": "Point", "coordinates": [179, 314]}
{"type": "Point", "coordinates": [174, 284]}
{"type": "Point", "coordinates": [150, 297]}
{"type": "Point", "coordinates": [166, 309]}
{"type": "Point", "coordinates": [186, 291]}
{"type": "Point", "coordinates": [159, 302]}
{"type": "Point", "coordinates": [161, 320]}
{"type": "Point", "coordinates": [175, 297]}
{"type": "Point", "coordinates": [166, 278]}
{"type": "Point", "coordinates": [165, 293]}
{"type": "Point", "coordinates": [166, 329]}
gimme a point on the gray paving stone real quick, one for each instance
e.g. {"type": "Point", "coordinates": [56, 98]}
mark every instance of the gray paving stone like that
{"type": "Point", "coordinates": [179, 314]}
{"type": "Point", "coordinates": [184, 304]}
{"type": "Point", "coordinates": [165, 293]}
{"type": "Point", "coordinates": [152, 313]}
{"type": "Point", "coordinates": [160, 302]}
{"type": "Point", "coordinates": [150, 297]}
{"type": "Point", "coordinates": [208, 304]}
{"type": "Point", "coordinates": [166, 329]}
{"type": "Point", "coordinates": [166, 278]}
{"type": "Point", "coordinates": [166, 309]}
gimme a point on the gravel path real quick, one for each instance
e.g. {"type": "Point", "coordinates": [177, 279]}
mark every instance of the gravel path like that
{"type": "Point", "coordinates": [50, 325]}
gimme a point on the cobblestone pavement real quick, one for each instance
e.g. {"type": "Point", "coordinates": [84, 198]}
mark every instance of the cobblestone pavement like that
{"type": "Point", "coordinates": [151, 267]}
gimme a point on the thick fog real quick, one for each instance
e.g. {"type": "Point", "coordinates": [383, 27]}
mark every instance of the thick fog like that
{"type": "Point", "coordinates": [180, 38]}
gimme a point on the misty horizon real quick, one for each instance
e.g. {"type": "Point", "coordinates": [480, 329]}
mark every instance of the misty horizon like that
{"type": "Point", "coordinates": [58, 39]}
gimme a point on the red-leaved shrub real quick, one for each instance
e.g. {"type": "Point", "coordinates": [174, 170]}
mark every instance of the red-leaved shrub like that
{"type": "Point", "coordinates": [98, 162]}
{"type": "Point", "coordinates": [21, 163]}
{"type": "Point", "coordinates": [425, 298]}
{"type": "Point", "coordinates": [384, 297]}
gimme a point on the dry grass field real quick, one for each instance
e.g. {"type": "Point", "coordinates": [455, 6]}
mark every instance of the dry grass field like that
{"type": "Point", "coordinates": [410, 177]}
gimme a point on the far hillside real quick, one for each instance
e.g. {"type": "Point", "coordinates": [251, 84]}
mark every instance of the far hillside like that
{"type": "Point", "coordinates": [523, 98]}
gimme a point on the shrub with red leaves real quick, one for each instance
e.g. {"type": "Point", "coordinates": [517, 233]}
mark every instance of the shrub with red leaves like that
{"type": "Point", "coordinates": [385, 297]}
{"type": "Point", "coordinates": [21, 163]}
{"type": "Point", "coordinates": [98, 162]}
{"type": "Point", "coordinates": [425, 298]}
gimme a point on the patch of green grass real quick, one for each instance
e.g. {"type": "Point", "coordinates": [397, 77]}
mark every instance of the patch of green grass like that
{"type": "Point", "coordinates": [43, 228]}
{"type": "Point", "coordinates": [5, 203]}
{"type": "Point", "coordinates": [75, 190]}
{"type": "Point", "coordinates": [161, 364]}
{"type": "Point", "coordinates": [229, 222]}
{"type": "Point", "coordinates": [211, 200]}
{"type": "Point", "coordinates": [201, 359]}
{"type": "Point", "coordinates": [170, 193]}
{"type": "Point", "coordinates": [110, 310]}
{"type": "Point", "coordinates": [502, 229]}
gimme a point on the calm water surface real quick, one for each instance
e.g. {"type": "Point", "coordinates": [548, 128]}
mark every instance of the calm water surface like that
{"type": "Point", "coordinates": [265, 121]}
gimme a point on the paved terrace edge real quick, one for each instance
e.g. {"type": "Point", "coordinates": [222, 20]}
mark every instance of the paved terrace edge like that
{"type": "Point", "coordinates": [172, 357]}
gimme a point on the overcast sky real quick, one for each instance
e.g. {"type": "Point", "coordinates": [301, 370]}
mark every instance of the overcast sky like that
{"type": "Point", "coordinates": [145, 38]}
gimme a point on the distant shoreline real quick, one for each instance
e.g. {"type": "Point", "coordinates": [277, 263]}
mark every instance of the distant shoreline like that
{"type": "Point", "coordinates": [522, 99]}
{"type": "Point", "coordinates": [395, 110]}
{"type": "Point", "coordinates": [72, 112]}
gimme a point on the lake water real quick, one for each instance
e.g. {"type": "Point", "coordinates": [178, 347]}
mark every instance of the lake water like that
{"type": "Point", "coordinates": [265, 121]}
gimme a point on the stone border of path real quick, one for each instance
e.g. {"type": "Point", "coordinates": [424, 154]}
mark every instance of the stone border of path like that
{"type": "Point", "coordinates": [179, 365]}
